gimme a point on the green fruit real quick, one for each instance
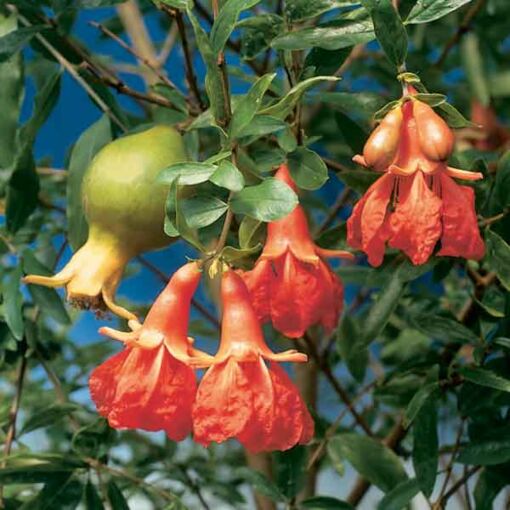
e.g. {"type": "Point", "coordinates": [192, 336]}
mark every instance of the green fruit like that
{"type": "Point", "coordinates": [125, 207]}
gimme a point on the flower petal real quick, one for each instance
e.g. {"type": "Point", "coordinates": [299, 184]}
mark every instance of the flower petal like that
{"type": "Point", "coordinates": [366, 226]}
{"type": "Point", "coordinates": [258, 281]}
{"type": "Point", "coordinates": [224, 402]}
{"type": "Point", "coordinates": [145, 389]}
{"type": "Point", "coordinates": [461, 236]}
{"type": "Point", "coordinates": [416, 224]}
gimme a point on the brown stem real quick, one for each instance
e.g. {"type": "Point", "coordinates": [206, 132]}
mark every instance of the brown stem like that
{"type": "Point", "coordinates": [340, 391]}
{"type": "Point", "coordinates": [144, 60]}
{"type": "Point", "coordinates": [342, 199]}
{"type": "Point", "coordinates": [392, 440]}
{"type": "Point", "coordinates": [13, 415]}
{"type": "Point", "coordinates": [132, 20]}
{"type": "Point", "coordinates": [188, 59]}
{"type": "Point", "coordinates": [461, 30]}
{"type": "Point", "coordinates": [261, 462]}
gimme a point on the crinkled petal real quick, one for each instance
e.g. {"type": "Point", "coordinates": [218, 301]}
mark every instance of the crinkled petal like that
{"type": "Point", "coordinates": [366, 227]}
{"type": "Point", "coordinates": [333, 298]}
{"type": "Point", "coordinates": [416, 222]}
{"type": "Point", "coordinates": [145, 389]}
{"type": "Point", "coordinates": [461, 236]}
{"type": "Point", "coordinates": [258, 281]}
{"type": "Point", "coordinates": [224, 403]}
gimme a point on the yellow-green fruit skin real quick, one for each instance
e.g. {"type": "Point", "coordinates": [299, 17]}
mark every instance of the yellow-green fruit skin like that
{"type": "Point", "coordinates": [121, 194]}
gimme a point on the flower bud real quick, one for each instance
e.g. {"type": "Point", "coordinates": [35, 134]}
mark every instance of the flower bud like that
{"type": "Point", "coordinates": [381, 147]}
{"type": "Point", "coordinates": [436, 138]}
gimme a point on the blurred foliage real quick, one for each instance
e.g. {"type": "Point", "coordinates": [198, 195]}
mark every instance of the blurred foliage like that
{"type": "Point", "coordinates": [422, 354]}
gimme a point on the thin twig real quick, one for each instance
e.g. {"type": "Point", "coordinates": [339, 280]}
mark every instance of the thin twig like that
{"type": "Point", "coordinates": [168, 44]}
{"type": "Point", "coordinates": [72, 71]}
{"type": "Point", "coordinates": [462, 29]}
{"type": "Point", "coordinates": [188, 58]}
{"type": "Point", "coordinates": [340, 391]}
{"type": "Point", "coordinates": [13, 415]}
{"type": "Point", "coordinates": [144, 60]}
{"type": "Point", "coordinates": [342, 199]}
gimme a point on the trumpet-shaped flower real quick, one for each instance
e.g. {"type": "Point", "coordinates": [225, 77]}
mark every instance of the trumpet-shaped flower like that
{"type": "Point", "coordinates": [416, 204]}
{"type": "Point", "coordinates": [240, 396]}
{"type": "Point", "coordinates": [292, 285]}
{"type": "Point", "coordinates": [150, 384]}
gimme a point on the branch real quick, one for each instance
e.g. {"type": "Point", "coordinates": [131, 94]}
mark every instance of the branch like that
{"type": "Point", "coordinates": [340, 391]}
{"type": "Point", "coordinates": [13, 415]}
{"type": "Point", "coordinates": [144, 60]}
{"type": "Point", "coordinates": [132, 20]}
{"type": "Point", "coordinates": [461, 30]}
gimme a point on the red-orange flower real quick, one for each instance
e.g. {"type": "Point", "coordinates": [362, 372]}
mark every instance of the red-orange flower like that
{"type": "Point", "coordinates": [416, 203]}
{"type": "Point", "coordinates": [240, 396]}
{"type": "Point", "coordinates": [150, 384]}
{"type": "Point", "coordinates": [291, 284]}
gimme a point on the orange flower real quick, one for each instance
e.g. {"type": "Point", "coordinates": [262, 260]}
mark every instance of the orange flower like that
{"type": "Point", "coordinates": [291, 284]}
{"type": "Point", "coordinates": [240, 396]}
{"type": "Point", "coordinates": [150, 385]}
{"type": "Point", "coordinates": [416, 203]}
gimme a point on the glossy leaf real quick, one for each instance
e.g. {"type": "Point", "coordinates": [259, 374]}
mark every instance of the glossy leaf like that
{"type": "Point", "coordinates": [228, 176]}
{"type": "Point", "coordinates": [268, 201]}
{"type": "Point", "coordinates": [400, 496]}
{"type": "Point", "coordinates": [13, 303]}
{"type": "Point", "coordinates": [425, 11]}
{"type": "Point", "coordinates": [307, 168]}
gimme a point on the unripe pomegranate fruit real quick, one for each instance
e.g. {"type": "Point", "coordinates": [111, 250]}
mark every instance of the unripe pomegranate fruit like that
{"type": "Point", "coordinates": [436, 138]}
{"type": "Point", "coordinates": [381, 147]}
{"type": "Point", "coordinates": [125, 208]}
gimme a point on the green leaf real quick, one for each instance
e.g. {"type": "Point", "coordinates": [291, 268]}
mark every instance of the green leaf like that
{"type": "Point", "coordinates": [486, 453]}
{"type": "Point", "coordinates": [11, 85]}
{"type": "Point", "coordinates": [433, 100]}
{"type": "Point", "coordinates": [334, 35]}
{"type": "Point", "coordinates": [261, 484]}
{"type": "Point", "coordinates": [371, 459]}
{"type": "Point", "coordinates": [353, 134]}
{"type": "Point", "coordinates": [188, 173]}
{"type": "Point", "coordinates": [201, 211]}
{"type": "Point", "coordinates": [426, 444]}
{"type": "Point", "coordinates": [14, 41]}
{"type": "Point", "coordinates": [48, 416]}
{"type": "Point", "coordinates": [115, 497]}
{"type": "Point", "coordinates": [226, 21]}
{"type": "Point", "coordinates": [453, 117]}
{"type": "Point", "coordinates": [249, 105]}
{"type": "Point", "coordinates": [92, 500]}
{"type": "Point", "coordinates": [381, 310]}
{"type": "Point", "coordinates": [88, 145]}
{"type": "Point", "coordinates": [489, 484]}
{"type": "Point", "coordinates": [262, 125]}
{"type": "Point", "coordinates": [425, 11]}
{"type": "Point", "coordinates": [352, 348]}
{"type": "Point", "coordinates": [13, 303]}
{"type": "Point", "coordinates": [325, 503]}
{"type": "Point", "coordinates": [502, 183]}
{"type": "Point", "coordinates": [400, 496]}
{"type": "Point", "coordinates": [258, 32]}
{"type": "Point", "coordinates": [63, 492]}
{"type": "Point", "coordinates": [485, 377]}
{"type": "Point", "coordinates": [498, 256]}
{"type": "Point", "coordinates": [47, 299]}
{"type": "Point", "coordinates": [389, 30]}
{"type": "Point", "coordinates": [285, 105]}
{"type": "Point", "coordinates": [247, 231]}
{"type": "Point", "coordinates": [325, 61]}
{"type": "Point", "coordinates": [268, 201]}
{"type": "Point", "coordinates": [213, 79]}
{"type": "Point", "coordinates": [177, 4]}
{"type": "Point", "coordinates": [291, 470]}
{"type": "Point", "coordinates": [421, 397]}
{"type": "Point", "coordinates": [228, 176]}
{"type": "Point", "coordinates": [445, 329]}
{"type": "Point", "coordinates": [300, 10]}
{"type": "Point", "coordinates": [307, 168]}
{"type": "Point", "coordinates": [474, 67]}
